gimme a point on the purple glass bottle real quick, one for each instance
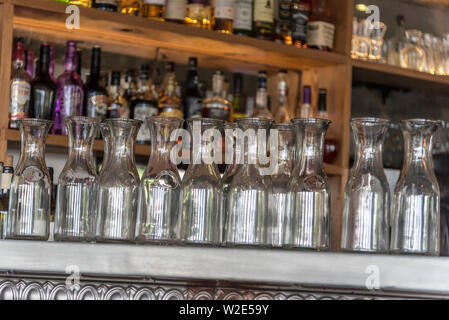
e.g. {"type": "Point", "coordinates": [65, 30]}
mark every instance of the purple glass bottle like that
{"type": "Point", "coordinates": [70, 92]}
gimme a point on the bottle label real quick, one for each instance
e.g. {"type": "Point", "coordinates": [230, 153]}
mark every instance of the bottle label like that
{"type": "Point", "coordinates": [195, 11]}
{"type": "Point", "coordinates": [156, 2]}
{"type": "Point", "coordinates": [224, 9]}
{"type": "Point", "coordinates": [263, 10]}
{"type": "Point", "coordinates": [320, 33]}
{"type": "Point", "coordinates": [243, 15]}
{"type": "Point", "coordinates": [20, 98]}
{"type": "Point", "coordinates": [176, 9]}
{"type": "Point", "coordinates": [142, 111]}
{"type": "Point", "coordinates": [6, 180]}
{"type": "Point", "coordinates": [97, 105]}
{"type": "Point", "coordinates": [299, 24]}
{"type": "Point", "coordinates": [284, 10]}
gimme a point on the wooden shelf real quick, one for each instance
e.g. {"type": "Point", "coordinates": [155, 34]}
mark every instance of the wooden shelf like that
{"type": "Point", "coordinates": [385, 74]}
{"type": "Point", "coordinates": [63, 142]}
{"type": "Point", "coordinates": [136, 36]}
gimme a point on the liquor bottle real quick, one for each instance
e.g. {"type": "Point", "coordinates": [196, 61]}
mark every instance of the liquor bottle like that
{"type": "Point", "coordinates": [129, 86]}
{"type": "Point", "coordinates": [283, 21]}
{"type": "Point", "coordinates": [118, 106]}
{"type": "Point", "coordinates": [261, 108]}
{"type": "Point", "coordinates": [169, 102]}
{"type": "Point", "coordinates": [106, 5]}
{"type": "Point", "coordinates": [300, 17]}
{"type": "Point", "coordinates": [69, 101]}
{"type": "Point", "coordinates": [237, 97]}
{"type": "Point", "coordinates": [192, 95]}
{"type": "Point", "coordinates": [223, 15]}
{"type": "Point", "coordinates": [320, 30]}
{"type": "Point", "coordinates": [198, 13]}
{"type": "Point", "coordinates": [216, 106]}
{"type": "Point", "coordinates": [322, 104]}
{"type": "Point", "coordinates": [79, 61]}
{"type": "Point", "coordinates": [175, 11]}
{"type": "Point", "coordinates": [306, 105]}
{"type": "Point", "coordinates": [29, 63]}
{"type": "Point", "coordinates": [243, 19]}
{"type": "Point", "coordinates": [43, 88]}
{"type": "Point", "coordinates": [82, 3]}
{"type": "Point", "coordinates": [145, 104]}
{"type": "Point", "coordinates": [6, 176]}
{"type": "Point", "coordinates": [131, 7]}
{"type": "Point", "coordinates": [263, 19]}
{"type": "Point", "coordinates": [20, 87]}
{"type": "Point", "coordinates": [282, 115]}
{"type": "Point", "coordinates": [95, 94]}
{"type": "Point", "coordinates": [153, 9]}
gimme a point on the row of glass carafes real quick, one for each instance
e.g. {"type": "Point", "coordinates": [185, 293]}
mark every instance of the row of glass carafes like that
{"type": "Point", "coordinates": [246, 206]}
{"type": "Point", "coordinates": [283, 204]}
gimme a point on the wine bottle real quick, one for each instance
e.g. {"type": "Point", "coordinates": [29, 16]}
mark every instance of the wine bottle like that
{"type": "Point", "coordinates": [43, 88]}
{"type": "Point", "coordinates": [6, 177]}
{"type": "Point", "coordinates": [243, 20]}
{"type": "Point", "coordinates": [263, 19]}
{"type": "Point", "coordinates": [192, 95]}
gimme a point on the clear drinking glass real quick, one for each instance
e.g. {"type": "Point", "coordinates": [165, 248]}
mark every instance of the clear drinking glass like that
{"type": "Point", "coordinates": [200, 220]}
{"type": "Point", "coordinates": [309, 190]}
{"type": "Point", "coordinates": [415, 224]}
{"type": "Point", "coordinates": [118, 184]}
{"type": "Point", "coordinates": [75, 206]}
{"type": "Point", "coordinates": [248, 215]}
{"type": "Point", "coordinates": [366, 224]}
{"type": "Point", "coordinates": [412, 55]}
{"type": "Point", "coordinates": [106, 134]}
{"type": "Point", "coordinates": [280, 178]}
{"type": "Point", "coordinates": [30, 194]}
{"type": "Point", "coordinates": [377, 41]}
{"type": "Point", "coordinates": [363, 45]}
{"type": "Point", "coordinates": [157, 208]}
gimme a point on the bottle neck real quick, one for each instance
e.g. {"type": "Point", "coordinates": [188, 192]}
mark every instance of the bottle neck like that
{"type": "Point", "coordinates": [261, 98]}
{"type": "Point", "coordinates": [70, 63]}
{"type": "Point", "coordinates": [44, 64]}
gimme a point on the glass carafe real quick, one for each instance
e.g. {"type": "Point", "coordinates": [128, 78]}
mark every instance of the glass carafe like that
{"type": "Point", "coordinates": [280, 178]}
{"type": "Point", "coordinates": [30, 195]}
{"type": "Point", "coordinates": [118, 184]}
{"type": "Point", "coordinates": [412, 55]}
{"type": "Point", "coordinates": [366, 224]}
{"type": "Point", "coordinates": [309, 191]}
{"type": "Point", "coordinates": [158, 200]}
{"type": "Point", "coordinates": [106, 134]}
{"type": "Point", "coordinates": [201, 220]}
{"type": "Point", "coordinates": [233, 154]}
{"type": "Point", "coordinates": [75, 206]}
{"type": "Point", "coordinates": [415, 224]}
{"type": "Point", "coordinates": [247, 219]}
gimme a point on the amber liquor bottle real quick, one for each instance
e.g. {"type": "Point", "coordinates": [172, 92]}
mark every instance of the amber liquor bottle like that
{"type": "Point", "coordinates": [320, 29]}
{"type": "Point", "coordinates": [223, 15]}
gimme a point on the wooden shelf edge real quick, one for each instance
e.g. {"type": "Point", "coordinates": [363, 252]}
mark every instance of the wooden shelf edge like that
{"type": "Point", "coordinates": [135, 35]}
{"type": "Point", "coordinates": [381, 73]}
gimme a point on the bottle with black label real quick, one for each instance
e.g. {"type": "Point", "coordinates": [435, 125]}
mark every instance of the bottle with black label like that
{"type": "Point", "coordinates": [6, 177]}
{"type": "Point", "coordinates": [300, 13]}
{"type": "Point", "coordinates": [95, 94]}
{"type": "Point", "coordinates": [192, 95]}
{"type": "Point", "coordinates": [263, 19]}
{"type": "Point", "coordinates": [106, 5]}
{"type": "Point", "coordinates": [43, 88]}
{"type": "Point", "coordinates": [243, 17]}
{"type": "Point", "coordinates": [145, 104]}
{"type": "Point", "coordinates": [283, 21]}
{"type": "Point", "coordinates": [118, 106]}
{"type": "Point", "coordinates": [320, 29]}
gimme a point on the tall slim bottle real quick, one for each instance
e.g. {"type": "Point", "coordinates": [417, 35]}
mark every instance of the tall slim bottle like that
{"type": "Point", "coordinates": [261, 110]}
{"type": "Point", "coordinates": [192, 96]}
{"type": "Point", "coordinates": [95, 94]}
{"type": "Point", "coordinates": [282, 115]}
{"type": "Point", "coordinates": [43, 88]}
{"type": "Point", "coordinates": [70, 92]}
{"type": "Point", "coordinates": [7, 173]}
{"type": "Point", "coordinates": [306, 106]}
{"type": "Point", "coordinates": [263, 19]}
{"type": "Point", "coordinates": [20, 87]}
{"type": "Point", "coordinates": [118, 106]}
{"type": "Point", "coordinates": [243, 17]}
{"type": "Point", "coordinates": [237, 97]}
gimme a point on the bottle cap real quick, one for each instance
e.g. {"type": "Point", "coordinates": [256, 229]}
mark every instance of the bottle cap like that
{"type": "Point", "coordinates": [322, 96]}
{"type": "Point", "coordinates": [170, 67]}
{"type": "Point", "coordinates": [115, 81]}
{"type": "Point", "coordinates": [193, 62]}
{"type": "Point", "coordinates": [307, 95]}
